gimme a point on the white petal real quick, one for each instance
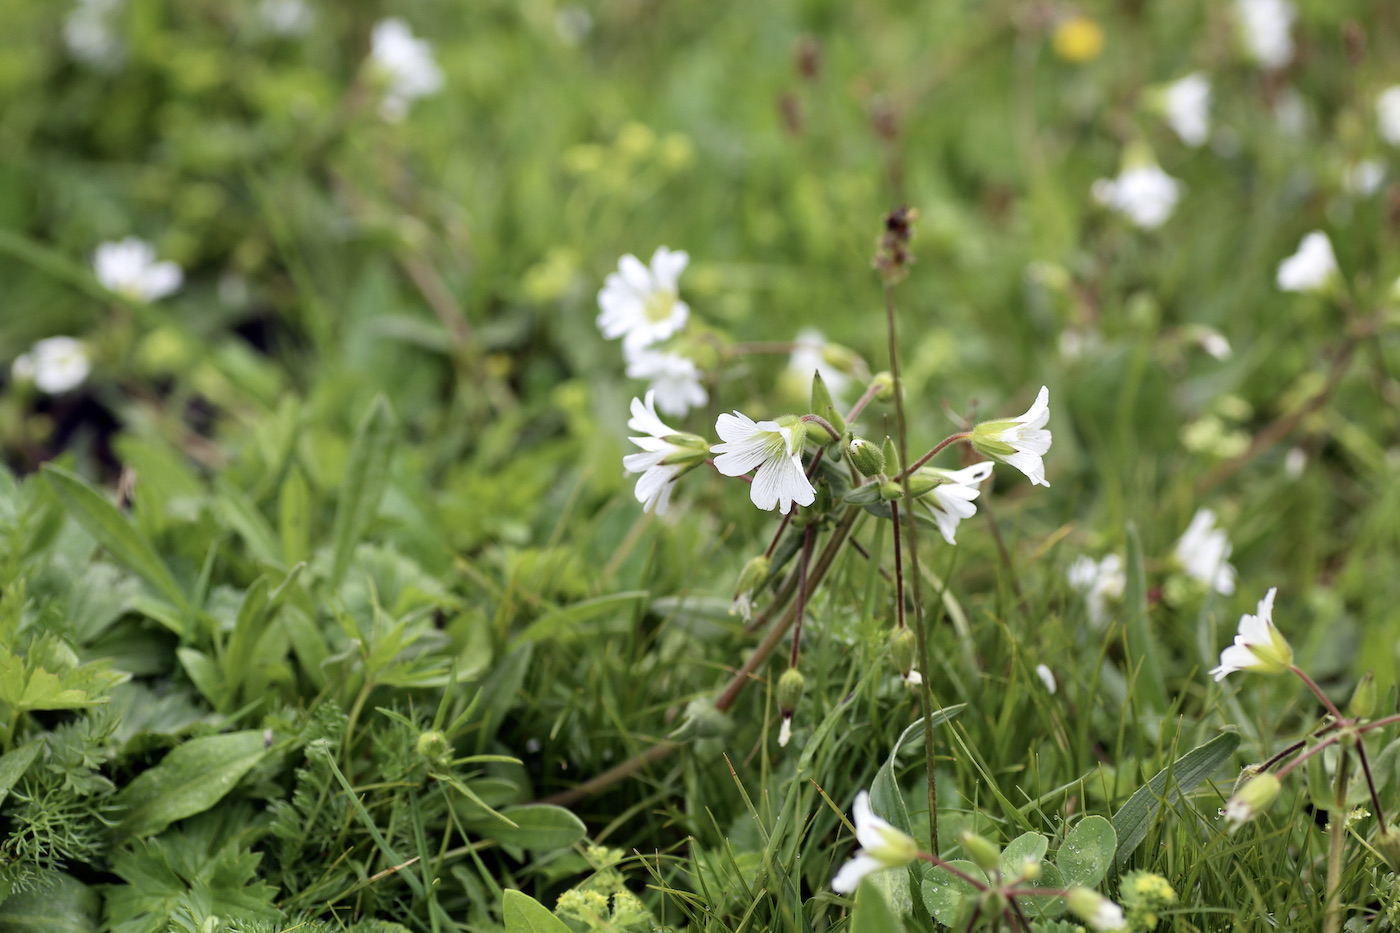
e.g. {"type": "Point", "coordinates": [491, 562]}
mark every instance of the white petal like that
{"type": "Point", "coordinates": [850, 874]}
{"type": "Point", "coordinates": [644, 418]}
{"type": "Point", "coordinates": [1029, 464]}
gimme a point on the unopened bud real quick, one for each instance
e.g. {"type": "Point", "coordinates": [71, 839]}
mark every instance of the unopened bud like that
{"type": "Point", "coordinates": [1030, 869]}
{"type": "Point", "coordinates": [1363, 698]}
{"type": "Point", "coordinates": [822, 405]}
{"type": "Point", "coordinates": [886, 383]}
{"type": "Point", "coordinates": [984, 853]}
{"type": "Point", "coordinates": [866, 457]}
{"type": "Point", "coordinates": [891, 490]}
{"type": "Point", "coordinates": [790, 691]}
{"type": "Point", "coordinates": [902, 651]}
{"type": "Point", "coordinates": [919, 484]}
{"type": "Point", "coordinates": [1254, 798]}
{"type": "Point", "coordinates": [891, 455]}
{"type": "Point", "coordinates": [843, 359]}
{"type": "Point", "coordinates": [1096, 910]}
{"type": "Point", "coordinates": [435, 747]}
{"type": "Point", "coordinates": [753, 576]}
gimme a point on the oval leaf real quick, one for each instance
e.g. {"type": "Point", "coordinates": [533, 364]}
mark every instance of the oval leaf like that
{"type": "Point", "coordinates": [944, 892]}
{"type": "Point", "coordinates": [189, 780]}
{"type": "Point", "coordinates": [523, 914]}
{"type": "Point", "coordinates": [872, 913]}
{"type": "Point", "coordinates": [537, 826]}
{"type": "Point", "coordinates": [1087, 852]}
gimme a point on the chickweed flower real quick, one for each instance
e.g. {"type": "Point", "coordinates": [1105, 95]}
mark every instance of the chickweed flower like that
{"type": "Point", "coordinates": [1252, 799]}
{"type": "Point", "coordinates": [1259, 646]}
{"type": "Point", "coordinates": [90, 33]}
{"type": "Point", "coordinates": [1388, 114]}
{"type": "Point", "coordinates": [951, 500]}
{"type": "Point", "coordinates": [675, 380]}
{"type": "Point", "coordinates": [128, 267]}
{"type": "Point", "coordinates": [666, 454]}
{"type": "Point", "coordinates": [1186, 104]}
{"type": "Point", "coordinates": [1019, 442]}
{"type": "Point", "coordinates": [1047, 677]}
{"type": "Point", "coordinates": [1143, 193]}
{"type": "Point", "coordinates": [882, 847]}
{"type": "Point", "coordinates": [1266, 27]}
{"type": "Point", "coordinates": [1312, 268]}
{"type": "Point", "coordinates": [1204, 553]}
{"type": "Point", "coordinates": [809, 356]}
{"type": "Point", "coordinates": [55, 365]}
{"type": "Point", "coordinates": [1096, 910]}
{"type": "Point", "coordinates": [1100, 581]}
{"type": "Point", "coordinates": [775, 449]}
{"type": "Point", "coordinates": [640, 304]}
{"type": "Point", "coordinates": [1363, 179]}
{"type": "Point", "coordinates": [404, 64]}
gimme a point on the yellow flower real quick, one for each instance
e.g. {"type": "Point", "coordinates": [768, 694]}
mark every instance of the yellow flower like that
{"type": "Point", "coordinates": [1078, 39]}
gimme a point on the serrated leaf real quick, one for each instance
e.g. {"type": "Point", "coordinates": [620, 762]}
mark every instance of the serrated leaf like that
{"type": "Point", "coordinates": [365, 478]}
{"type": "Point", "coordinates": [523, 914]}
{"type": "Point", "coordinates": [537, 827]}
{"type": "Point", "coordinates": [1087, 852]}
{"type": "Point", "coordinates": [189, 780]}
{"type": "Point", "coordinates": [872, 913]}
{"type": "Point", "coordinates": [1135, 817]}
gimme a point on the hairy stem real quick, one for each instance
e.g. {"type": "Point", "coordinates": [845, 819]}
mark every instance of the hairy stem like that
{"type": "Point", "coordinates": [1337, 828]}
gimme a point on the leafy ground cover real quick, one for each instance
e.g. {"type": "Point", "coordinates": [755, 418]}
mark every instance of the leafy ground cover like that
{"type": "Point", "coordinates": [328, 600]}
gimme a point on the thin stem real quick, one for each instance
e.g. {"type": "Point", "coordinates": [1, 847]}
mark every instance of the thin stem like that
{"type": "Point", "coordinates": [1025, 923]}
{"type": "Point", "coordinates": [1329, 741]}
{"type": "Point", "coordinates": [1337, 828]}
{"type": "Point", "coordinates": [1377, 723]}
{"type": "Point", "coordinates": [871, 391]}
{"type": "Point", "coordinates": [898, 572]}
{"type": "Point", "coordinates": [824, 425]}
{"type": "Point", "coordinates": [782, 526]}
{"type": "Point", "coordinates": [1370, 781]}
{"type": "Point", "coordinates": [1331, 708]}
{"type": "Point", "coordinates": [926, 693]}
{"type": "Point", "coordinates": [956, 873]}
{"type": "Point", "coordinates": [801, 594]}
{"type": "Point", "coordinates": [937, 448]}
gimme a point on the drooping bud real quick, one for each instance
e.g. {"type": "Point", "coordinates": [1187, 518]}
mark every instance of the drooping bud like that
{"type": "Point", "coordinates": [1363, 698]}
{"type": "Point", "coordinates": [902, 651]}
{"type": "Point", "coordinates": [844, 359]}
{"type": "Point", "coordinates": [790, 687]}
{"type": "Point", "coordinates": [866, 457]}
{"type": "Point", "coordinates": [823, 405]}
{"type": "Point", "coordinates": [1254, 798]}
{"type": "Point", "coordinates": [1387, 843]}
{"type": "Point", "coordinates": [984, 853]}
{"type": "Point", "coordinates": [753, 575]}
{"type": "Point", "coordinates": [886, 383]}
{"type": "Point", "coordinates": [1096, 910]}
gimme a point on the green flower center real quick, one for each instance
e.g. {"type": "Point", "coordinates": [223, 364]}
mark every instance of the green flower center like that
{"type": "Point", "coordinates": [658, 305]}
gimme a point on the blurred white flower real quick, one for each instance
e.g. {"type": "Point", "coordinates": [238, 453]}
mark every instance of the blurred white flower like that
{"type": "Point", "coordinates": [881, 846]}
{"type": "Point", "coordinates": [1187, 106]}
{"type": "Point", "coordinates": [1363, 178]}
{"type": "Point", "coordinates": [1204, 553]}
{"type": "Point", "coordinates": [1259, 645]}
{"type": "Point", "coordinates": [1294, 462]}
{"type": "Point", "coordinates": [129, 267]}
{"type": "Point", "coordinates": [775, 450]}
{"type": "Point", "coordinates": [1047, 677]}
{"type": "Point", "coordinates": [90, 33]}
{"type": "Point", "coordinates": [1291, 113]}
{"type": "Point", "coordinates": [285, 17]}
{"type": "Point", "coordinates": [951, 500]}
{"type": "Point", "coordinates": [666, 454]}
{"type": "Point", "coordinates": [572, 24]}
{"type": "Point", "coordinates": [1312, 268]}
{"type": "Point", "coordinates": [1215, 344]}
{"type": "Point", "coordinates": [1020, 442]}
{"type": "Point", "coordinates": [1096, 910]}
{"type": "Point", "coordinates": [404, 64]}
{"type": "Point", "coordinates": [54, 365]}
{"type": "Point", "coordinates": [675, 380]}
{"type": "Point", "coordinates": [1099, 582]}
{"type": "Point", "coordinates": [785, 732]}
{"type": "Point", "coordinates": [808, 358]}
{"type": "Point", "coordinates": [641, 305]}
{"type": "Point", "coordinates": [1267, 27]}
{"type": "Point", "coordinates": [1144, 194]}
{"type": "Point", "coordinates": [1388, 114]}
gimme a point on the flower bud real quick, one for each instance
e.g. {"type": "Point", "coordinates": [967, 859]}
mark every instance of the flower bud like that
{"type": "Point", "coordinates": [790, 691]}
{"type": "Point", "coordinates": [886, 383]}
{"type": "Point", "coordinates": [822, 405]}
{"type": "Point", "coordinates": [843, 359]}
{"type": "Point", "coordinates": [1387, 843]}
{"type": "Point", "coordinates": [1363, 698]}
{"type": "Point", "coordinates": [891, 490]}
{"type": "Point", "coordinates": [984, 853]}
{"type": "Point", "coordinates": [1252, 799]}
{"type": "Point", "coordinates": [1096, 910]}
{"type": "Point", "coordinates": [902, 651]}
{"type": "Point", "coordinates": [753, 576]}
{"type": "Point", "coordinates": [891, 455]}
{"type": "Point", "coordinates": [866, 457]}
{"type": "Point", "coordinates": [435, 747]}
{"type": "Point", "coordinates": [1030, 869]}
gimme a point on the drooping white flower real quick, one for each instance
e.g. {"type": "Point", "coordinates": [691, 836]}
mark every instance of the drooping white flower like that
{"type": "Point", "coordinates": [1363, 178]}
{"type": "Point", "coordinates": [641, 305]}
{"type": "Point", "coordinates": [1099, 582]}
{"type": "Point", "coordinates": [54, 365]}
{"type": "Point", "coordinates": [1388, 114]}
{"type": "Point", "coordinates": [808, 358]}
{"type": "Point", "coordinates": [1204, 553]}
{"type": "Point", "coordinates": [1256, 796]}
{"type": "Point", "coordinates": [1312, 268]}
{"type": "Point", "coordinates": [1144, 194]}
{"type": "Point", "coordinates": [881, 847]}
{"type": "Point", "coordinates": [1294, 462]}
{"type": "Point", "coordinates": [1267, 29]}
{"type": "Point", "coordinates": [674, 379]}
{"type": "Point", "coordinates": [90, 33]}
{"type": "Point", "coordinates": [951, 500]}
{"type": "Point", "coordinates": [129, 267]}
{"type": "Point", "coordinates": [285, 17]}
{"type": "Point", "coordinates": [1020, 442]}
{"type": "Point", "coordinates": [775, 449]}
{"type": "Point", "coordinates": [404, 64]}
{"type": "Point", "coordinates": [1096, 910]}
{"type": "Point", "coordinates": [1187, 106]}
{"type": "Point", "coordinates": [912, 679]}
{"type": "Point", "coordinates": [785, 732]}
{"type": "Point", "coordinates": [666, 454]}
{"type": "Point", "coordinates": [1259, 646]}
{"type": "Point", "coordinates": [1047, 677]}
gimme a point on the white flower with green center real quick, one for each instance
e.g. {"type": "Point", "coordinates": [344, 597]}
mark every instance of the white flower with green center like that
{"type": "Point", "coordinates": [666, 455]}
{"type": "Point", "coordinates": [951, 500]}
{"type": "Point", "coordinates": [1259, 645]}
{"type": "Point", "coordinates": [1312, 268]}
{"type": "Point", "coordinates": [1204, 553]}
{"type": "Point", "coordinates": [881, 847]}
{"type": "Point", "coordinates": [128, 267]}
{"type": "Point", "coordinates": [55, 365]}
{"type": "Point", "coordinates": [1256, 796]}
{"type": "Point", "coordinates": [640, 304]}
{"type": "Point", "coordinates": [1096, 910]}
{"type": "Point", "coordinates": [1020, 442]}
{"type": "Point", "coordinates": [774, 449]}
{"type": "Point", "coordinates": [674, 378]}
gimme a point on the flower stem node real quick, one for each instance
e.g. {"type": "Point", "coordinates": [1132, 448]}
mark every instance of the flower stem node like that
{"type": "Point", "coordinates": [885, 381]}
{"type": "Point", "coordinates": [824, 406]}
{"type": "Point", "coordinates": [1254, 798]}
{"type": "Point", "coordinates": [865, 457]}
{"type": "Point", "coordinates": [984, 853]}
{"type": "Point", "coordinates": [1363, 698]}
{"type": "Point", "coordinates": [1094, 909]}
{"type": "Point", "coordinates": [993, 902]}
{"type": "Point", "coordinates": [1019, 442]}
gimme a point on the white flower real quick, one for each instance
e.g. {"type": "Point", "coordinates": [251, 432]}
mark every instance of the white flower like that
{"type": "Point", "coordinates": [640, 305]}
{"type": "Point", "coordinates": [129, 268]}
{"type": "Point", "coordinates": [807, 358]}
{"type": "Point", "coordinates": [785, 732]}
{"type": "Point", "coordinates": [1310, 269]}
{"type": "Point", "coordinates": [775, 449]}
{"type": "Point", "coordinates": [1256, 796]}
{"type": "Point", "coordinates": [912, 679]}
{"type": "Point", "coordinates": [1096, 910]}
{"type": "Point", "coordinates": [1294, 462]}
{"type": "Point", "coordinates": [1214, 343]}
{"type": "Point", "coordinates": [951, 500]}
{"type": "Point", "coordinates": [285, 17]}
{"type": "Point", "coordinates": [1099, 581]}
{"type": "Point", "coordinates": [1144, 194]}
{"type": "Point", "coordinates": [404, 64]}
{"type": "Point", "coordinates": [1046, 677]}
{"type": "Point", "coordinates": [91, 36]}
{"type": "Point", "coordinates": [1388, 114]}
{"type": "Point", "coordinates": [1267, 30]}
{"type": "Point", "coordinates": [1363, 178]}
{"type": "Point", "coordinates": [674, 378]}
{"type": "Point", "coordinates": [666, 454]}
{"type": "Point", "coordinates": [882, 846]}
{"type": "Point", "coordinates": [1259, 646]}
{"type": "Point", "coordinates": [1187, 105]}
{"type": "Point", "coordinates": [55, 365]}
{"type": "Point", "coordinates": [1020, 442]}
{"type": "Point", "coordinates": [1204, 553]}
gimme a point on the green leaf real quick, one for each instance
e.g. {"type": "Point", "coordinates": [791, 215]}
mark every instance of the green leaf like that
{"type": "Point", "coordinates": [204, 674]}
{"type": "Point", "coordinates": [110, 528]}
{"type": "Point", "coordinates": [564, 623]}
{"type": "Point", "coordinates": [247, 629]}
{"type": "Point", "coordinates": [189, 780]}
{"type": "Point", "coordinates": [59, 903]}
{"type": "Point", "coordinates": [294, 518]}
{"type": "Point", "coordinates": [872, 913]}
{"type": "Point", "coordinates": [523, 914]}
{"type": "Point", "coordinates": [944, 892]}
{"type": "Point", "coordinates": [1087, 852]}
{"type": "Point", "coordinates": [1023, 847]}
{"type": "Point", "coordinates": [365, 479]}
{"type": "Point", "coordinates": [1138, 812]}
{"type": "Point", "coordinates": [537, 826]}
{"type": "Point", "coordinates": [886, 799]}
{"type": "Point", "coordinates": [243, 516]}
{"type": "Point", "coordinates": [14, 763]}
{"type": "Point", "coordinates": [1144, 660]}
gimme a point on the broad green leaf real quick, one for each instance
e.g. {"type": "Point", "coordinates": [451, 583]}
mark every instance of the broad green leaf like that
{"type": "Point", "coordinates": [537, 826]}
{"type": "Point", "coordinates": [1025, 846]}
{"type": "Point", "coordinates": [363, 487]}
{"type": "Point", "coordinates": [14, 763]}
{"type": "Point", "coordinates": [189, 780]}
{"type": "Point", "coordinates": [204, 674]}
{"type": "Point", "coordinates": [243, 516]}
{"type": "Point", "coordinates": [872, 913]}
{"type": "Point", "coordinates": [523, 914]}
{"type": "Point", "coordinates": [58, 903]}
{"type": "Point", "coordinates": [1144, 660]}
{"type": "Point", "coordinates": [944, 892]}
{"type": "Point", "coordinates": [1135, 817]}
{"type": "Point", "coordinates": [111, 529]}
{"type": "Point", "coordinates": [1087, 852]}
{"type": "Point", "coordinates": [247, 629]}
